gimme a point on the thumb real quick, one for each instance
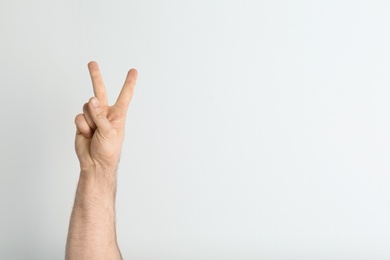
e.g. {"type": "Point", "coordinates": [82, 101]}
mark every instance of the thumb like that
{"type": "Point", "coordinates": [99, 116]}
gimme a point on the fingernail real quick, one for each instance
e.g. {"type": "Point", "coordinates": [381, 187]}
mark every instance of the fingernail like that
{"type": "Point", "coordinates": [95, 102]}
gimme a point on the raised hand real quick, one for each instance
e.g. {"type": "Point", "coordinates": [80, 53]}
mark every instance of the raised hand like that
{"type": "Point", "coordinates": [99, 137]}
{"type": "Point", "coordinates": [101, 128]}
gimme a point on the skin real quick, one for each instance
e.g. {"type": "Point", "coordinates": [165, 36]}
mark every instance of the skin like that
{"type": "Point", "coordinates": [100, 131]}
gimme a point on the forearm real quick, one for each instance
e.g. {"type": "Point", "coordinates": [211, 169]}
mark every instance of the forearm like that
{"type": "Point", "coordinates": [92, 231]}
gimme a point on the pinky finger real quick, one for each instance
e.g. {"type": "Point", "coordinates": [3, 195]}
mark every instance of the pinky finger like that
{"type": "Point", "coordinates": [82, 126]}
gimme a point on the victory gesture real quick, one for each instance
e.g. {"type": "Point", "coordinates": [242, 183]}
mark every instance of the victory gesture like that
{"type": "Point", "coordinates": [101, 128]}
{"type": "Point", "coordinates": [99, 137]}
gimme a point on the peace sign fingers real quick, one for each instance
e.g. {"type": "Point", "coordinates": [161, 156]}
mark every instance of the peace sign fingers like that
{"type": "Point", "coordinates": [97, 82]}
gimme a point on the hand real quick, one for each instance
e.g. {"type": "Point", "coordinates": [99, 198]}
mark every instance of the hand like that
{"type": "Point", "coordinates": [101, 128]}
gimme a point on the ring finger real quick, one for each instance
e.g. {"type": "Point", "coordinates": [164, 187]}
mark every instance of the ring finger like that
{"type": "Point", "coordinates": [88, 117]}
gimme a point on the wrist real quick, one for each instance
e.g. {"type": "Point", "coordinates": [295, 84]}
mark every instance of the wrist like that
{"type": "Point", "coordinates": [98, 182]}
{"type": "Point", "coordinates": [98, 171]}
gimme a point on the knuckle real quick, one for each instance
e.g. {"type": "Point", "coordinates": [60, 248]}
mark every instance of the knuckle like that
{"type": "Point", "coordinates": [78, 118]}
{"type": "Point", "coordinates": [85, 107]}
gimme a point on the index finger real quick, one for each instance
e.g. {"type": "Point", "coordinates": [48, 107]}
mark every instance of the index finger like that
{"type": "Point", "coordinates": [97, 82]}
{"type": "Point", "coordinates": [126, 94]}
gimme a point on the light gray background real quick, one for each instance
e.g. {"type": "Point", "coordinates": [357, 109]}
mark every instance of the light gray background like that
{"type": "Point", "coordinates": [258, 129]}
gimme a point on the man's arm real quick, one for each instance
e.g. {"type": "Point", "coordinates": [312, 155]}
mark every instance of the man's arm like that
{"type": "Point", "coordinates": [99, 136]}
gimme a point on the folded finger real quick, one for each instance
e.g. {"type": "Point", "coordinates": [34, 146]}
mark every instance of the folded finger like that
{"type": "Point", "coordinates": [82, 126]}
{"type": "Point", "coordinates": [88, 116]}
